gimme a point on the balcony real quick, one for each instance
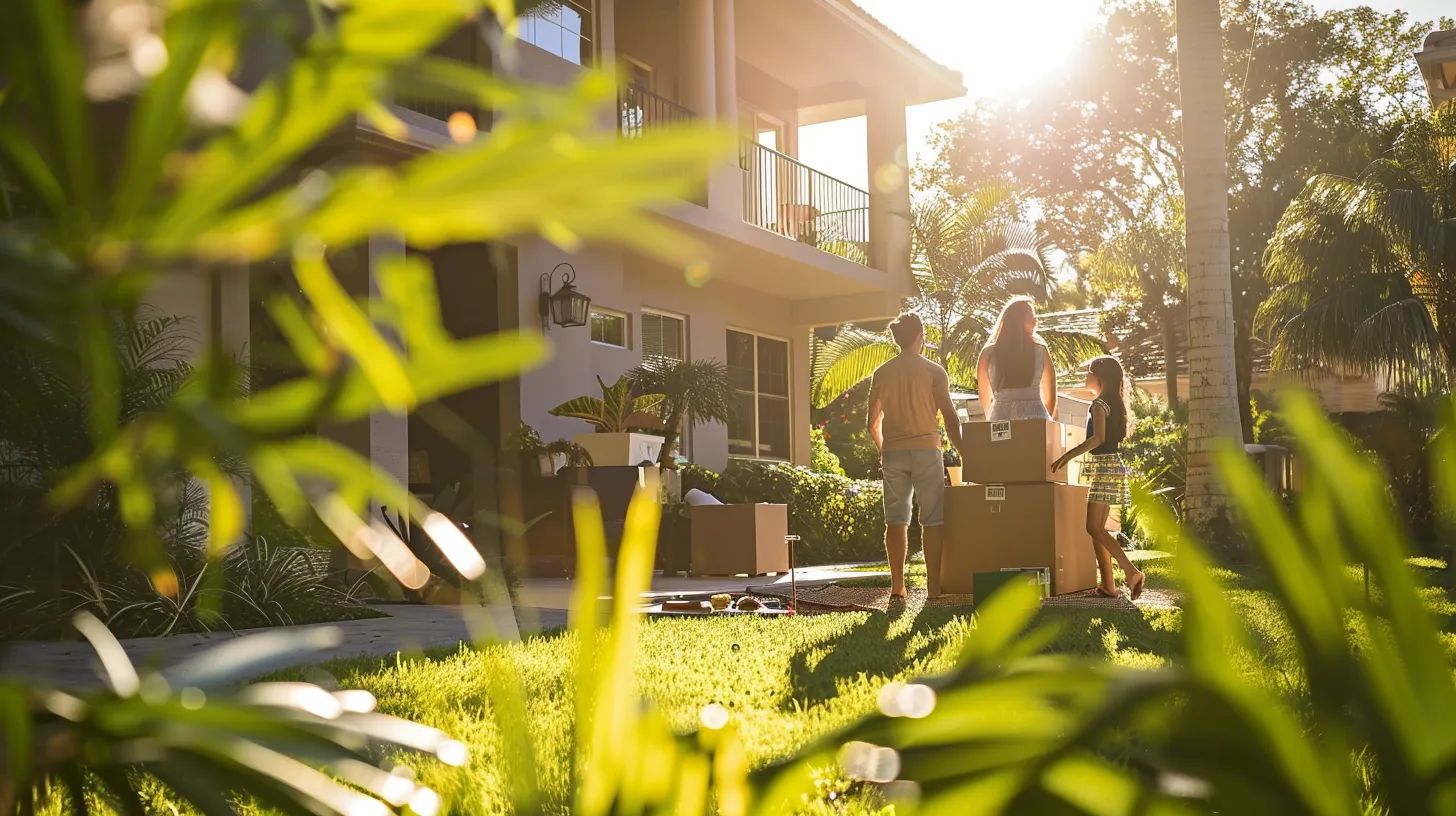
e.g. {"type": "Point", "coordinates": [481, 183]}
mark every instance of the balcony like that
{"type": "Point", "coordinates": [642, 111]}
{"type": "Point", "coordinates": [794, 200]}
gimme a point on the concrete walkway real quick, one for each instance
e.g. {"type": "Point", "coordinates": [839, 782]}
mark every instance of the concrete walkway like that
{"type": "Point", "coordinates": [542, 605]}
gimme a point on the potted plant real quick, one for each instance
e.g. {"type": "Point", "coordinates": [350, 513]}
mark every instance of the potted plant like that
{"type": "Point", "coordinates": [690, 391]}
{"type": "Point", "coordinates": [614, 415]}
{"type": "Point", "coordinates": [549, 457]}
{"type": "Point", "coordinates": [952, 465]}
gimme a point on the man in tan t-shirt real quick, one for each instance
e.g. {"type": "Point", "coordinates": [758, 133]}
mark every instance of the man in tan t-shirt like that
{"type": "Point", "coordinates": [908, 396]}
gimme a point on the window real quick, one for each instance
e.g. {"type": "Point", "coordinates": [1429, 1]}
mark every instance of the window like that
{"type": "Point", "coordinates": [639, 75]}
{"type": "Point", "coordinates": [769, 132]}
{"type": "Point", "coordinates": [664, 335]}
{"type": "Point", "coordinates": [759, 368]}
{"type": "Point", "coordinates": [563, 28]}
{"type": "Point", "coordinates": [609, 328]}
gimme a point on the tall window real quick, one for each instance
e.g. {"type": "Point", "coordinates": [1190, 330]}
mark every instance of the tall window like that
{"type": "Point", "coordinates": [562, 27]}
{"type": "Point", "coordinates": [663, 336]}
{"type": "Point", "coordinates": [759, 368]}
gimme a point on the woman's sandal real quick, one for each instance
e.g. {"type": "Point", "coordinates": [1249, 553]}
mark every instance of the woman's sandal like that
{"type": "Point", "coordinates": [1136, 590]}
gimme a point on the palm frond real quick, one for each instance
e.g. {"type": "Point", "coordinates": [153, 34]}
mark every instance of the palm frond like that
{"type": "Point", "coordinates": [848, 360]}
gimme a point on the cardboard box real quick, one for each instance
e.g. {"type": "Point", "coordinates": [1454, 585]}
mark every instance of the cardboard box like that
{"type": "Point", "coordinates": [989, 528]}
{"type": "Point", "coordinates": [739, 539]}
{"type": "Point", "coordinates": [1009, 452]}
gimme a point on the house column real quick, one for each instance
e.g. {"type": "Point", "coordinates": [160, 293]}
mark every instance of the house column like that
{"type": "Point", "coordinates": [725, 180]}
{"type": "Point", "coordinates": [388, 433]}
{"type": "Point", "coordinates": [889, 177]}
{"type": "Point", "coordinates": [382, 437]}
{"type": "Point", "coordinates": [697, 63]}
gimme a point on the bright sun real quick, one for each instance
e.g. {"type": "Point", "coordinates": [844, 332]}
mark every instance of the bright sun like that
{"type": "Point", "coordinates": [1000, 47]}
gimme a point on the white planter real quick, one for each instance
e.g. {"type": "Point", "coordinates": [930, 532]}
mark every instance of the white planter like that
{"type": "Point", "coordinates": [609, 449]}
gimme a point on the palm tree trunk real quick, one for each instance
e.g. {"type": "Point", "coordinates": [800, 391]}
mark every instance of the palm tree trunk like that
{"type": "Point", "coordinates": [1213, 410]}
{"type": "Point", "coordinates": [671, 435]}
{"type": "Point", "coordinates": [1170, 355]}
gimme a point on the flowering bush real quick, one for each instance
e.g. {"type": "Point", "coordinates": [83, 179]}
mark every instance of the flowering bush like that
{"type": "Point", "coordinates": [838, 519]}
{"type": "Point", "coordinates": [821, 459]}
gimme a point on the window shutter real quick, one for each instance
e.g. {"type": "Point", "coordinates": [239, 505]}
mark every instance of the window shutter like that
{"type": "Point", "coordinates": [662, 336]}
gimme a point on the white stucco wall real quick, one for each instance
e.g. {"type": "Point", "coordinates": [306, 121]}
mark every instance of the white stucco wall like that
{"type": "Point", "coordinates": [629, 283]}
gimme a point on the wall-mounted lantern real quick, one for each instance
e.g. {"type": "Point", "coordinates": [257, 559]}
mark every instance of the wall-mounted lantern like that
{"type": "Point", "coordinates": [567, 307]}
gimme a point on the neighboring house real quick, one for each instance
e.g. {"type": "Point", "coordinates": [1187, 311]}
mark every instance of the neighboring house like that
{"type": "Point", "coordinates": [793, 247]}
{"type": "Point", "coordinates": [1437, 61]}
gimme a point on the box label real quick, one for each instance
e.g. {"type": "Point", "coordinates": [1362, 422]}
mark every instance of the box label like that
{"type": "Point", "coordinates": [1000, 431]}
{"type": "Point", "coordinates": [995, 492]}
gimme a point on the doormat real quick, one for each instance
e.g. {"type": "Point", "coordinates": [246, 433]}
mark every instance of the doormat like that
{"type": "Point", "coordinates": [834, 598]}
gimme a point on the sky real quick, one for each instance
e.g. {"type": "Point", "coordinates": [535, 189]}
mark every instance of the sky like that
{"type": "Point", "coordinates": [986, 40]}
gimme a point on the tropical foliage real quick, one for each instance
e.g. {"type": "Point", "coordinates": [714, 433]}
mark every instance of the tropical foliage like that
{"type": "Point", "coordinates": [193, 730]}
{"type": "Point", "coordinates": [615, 411]}
{"type": "Point", "coordinates": [1141, 273]}
{"type": "Point", "coordinates": [1362, 271]}
{"type": "Point", "coordinates": [969, 256]}
{"type": "Point", "coordinates": [44, 402]}
{"type": "Point", "coordinates": [692, 392]}
{"type": "Point", "coordinates": [213, 175]}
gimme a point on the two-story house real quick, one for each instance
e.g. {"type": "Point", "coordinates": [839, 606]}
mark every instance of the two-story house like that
{"type": "Point", "coordinates": [793, 248]}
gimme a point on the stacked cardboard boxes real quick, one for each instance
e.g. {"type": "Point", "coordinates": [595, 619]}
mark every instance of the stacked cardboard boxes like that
{"type": "Point", "coordinates": [1016, 513]}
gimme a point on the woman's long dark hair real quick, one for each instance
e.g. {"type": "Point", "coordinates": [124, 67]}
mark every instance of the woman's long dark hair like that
{"type": "Point", "coordinates": [1012, 350]}
{"type": "Point", "coordinates": [1108, 371]}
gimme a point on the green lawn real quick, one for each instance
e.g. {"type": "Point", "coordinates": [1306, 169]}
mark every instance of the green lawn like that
{"type": "Point", "coordinates": [786, 681]}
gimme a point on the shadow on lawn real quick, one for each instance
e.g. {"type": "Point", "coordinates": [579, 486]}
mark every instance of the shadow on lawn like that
{"type": "Point", "coordinates": [884, 645]}
{"type": "Point", "coordinates": [905, 639]}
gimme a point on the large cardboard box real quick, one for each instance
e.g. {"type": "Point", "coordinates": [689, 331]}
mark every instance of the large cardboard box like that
{"type": "Point", "coordinates": [1019, 450]}
{"type": "Point", "coordinates": [989, 528]}
{"type": "Point", "coordinates": [738, 539]}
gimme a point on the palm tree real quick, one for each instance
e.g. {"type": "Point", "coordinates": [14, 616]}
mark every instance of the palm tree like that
{"type": "Point", "coordinates": [1213, 399]}
{"type": "Point", "coordinates": [1362, 271]}
{"type": "Point", "coordinates": [44, 404]}
{"type": "Point", "coordinates": [692, 391]}
{"type": "Point", "coordinates": [1144, 268]}
{"type": "Point", "coordinates": [969, 256]}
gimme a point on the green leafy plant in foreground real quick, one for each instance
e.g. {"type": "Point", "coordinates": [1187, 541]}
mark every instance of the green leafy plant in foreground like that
{"type": "Point", "coordinates": [190, 729]}
{"type": "Point", "coordinates": [216, 171]}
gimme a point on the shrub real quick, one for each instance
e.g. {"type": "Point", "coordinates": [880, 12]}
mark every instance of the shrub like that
{"type": "Point", "coordinates": [821, 459]}
{"type": "Point", "coordinates": [839, 519]}
{"type": "Point", "coordinates": [1156, 455]}
{"type": "Point", "coordinates": [256, 584]}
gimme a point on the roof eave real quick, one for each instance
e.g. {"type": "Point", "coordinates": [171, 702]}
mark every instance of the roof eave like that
{"type": "Point", "coordinates": [937, 82]}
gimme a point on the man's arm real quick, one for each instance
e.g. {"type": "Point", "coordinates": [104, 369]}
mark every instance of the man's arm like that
{"type": "Point", "coordinates": [947, 408]}
{"type": "Point", "coordinates": [876, 418]}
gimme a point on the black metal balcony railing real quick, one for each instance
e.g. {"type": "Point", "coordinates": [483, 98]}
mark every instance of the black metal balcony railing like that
{"type": "Point", "coordinates": [642, 111]}
{"type": "Point", "coordinates": [799, 202]}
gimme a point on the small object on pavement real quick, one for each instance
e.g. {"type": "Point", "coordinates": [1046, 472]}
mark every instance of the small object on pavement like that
{"type": "Point", "coordinates": [701, 607]}
{"type": "Point", "coordinates": [793, 580]}
{"type": "Point", "coordinates": [748, 603]}
{"type": "Point", "coordinates": [721, 601]}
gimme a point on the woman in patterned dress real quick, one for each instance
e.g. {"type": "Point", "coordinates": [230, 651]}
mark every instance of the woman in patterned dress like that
{"type": "Point", "coordinates": [1104, 471]}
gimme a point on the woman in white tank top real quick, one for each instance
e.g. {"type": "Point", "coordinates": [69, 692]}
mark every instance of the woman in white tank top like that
{"type": "Point", "coordinates": [1015, 376]}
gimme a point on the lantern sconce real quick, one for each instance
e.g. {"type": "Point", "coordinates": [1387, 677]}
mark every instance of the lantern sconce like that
{"type": "Point", "coordinates": [567, 307]}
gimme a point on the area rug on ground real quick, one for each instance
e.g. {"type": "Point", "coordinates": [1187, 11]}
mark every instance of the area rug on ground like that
{"type": "Point", "coordinates": [835, 598]}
